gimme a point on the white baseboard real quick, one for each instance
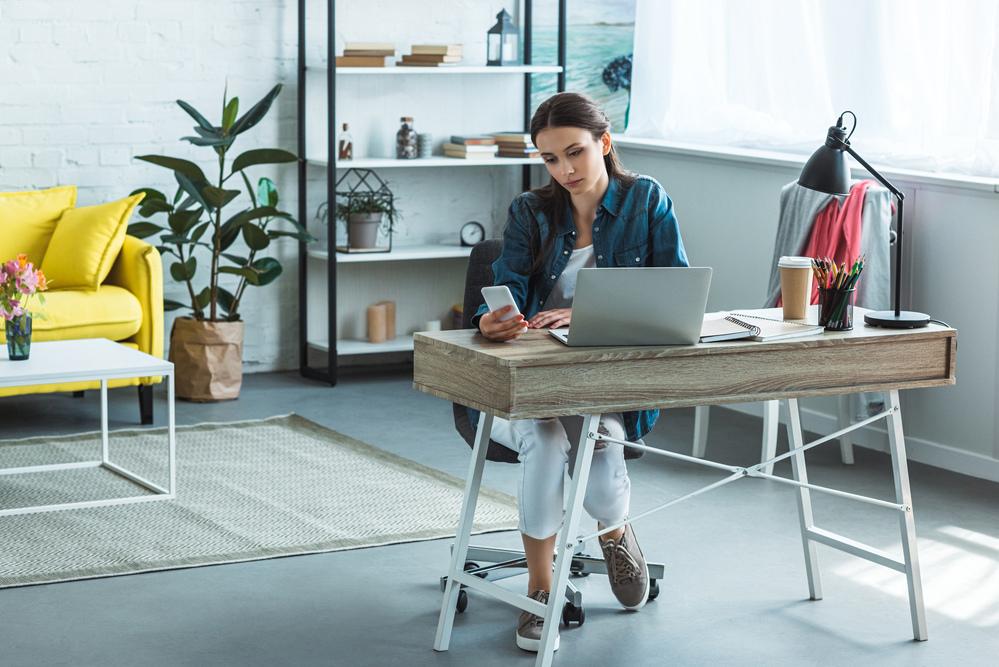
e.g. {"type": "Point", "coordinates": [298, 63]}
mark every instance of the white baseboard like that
{"type": "Point", "coordinates": [876, 438]}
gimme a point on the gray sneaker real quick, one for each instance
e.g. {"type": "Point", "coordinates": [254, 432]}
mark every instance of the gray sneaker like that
{"type": "Point", "coordinates": [530, 626]}
{"type": "Point", "coordinates": [626, 570]}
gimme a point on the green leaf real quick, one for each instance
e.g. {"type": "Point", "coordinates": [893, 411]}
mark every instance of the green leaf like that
{"type": "Point", "coordinates": [247, 272]}
{"type": "Point", "coordinates": [179, 165]}
{"type": "Point", "coordinates": [255, 237]}
{"type": "Point", "coordinates": [256, 112]}
{"type": "Point", "coordinates": [193, 189]}
{"type": "Point", "coordinates": [179, 271]}
{"type": "Point", "coordinates": [225, 299]}
{"type": "Point", "coordinates": [204, 298]}
{"type": "Point", "coordinates": [261, 156]}
{"type": "Point", "coordinates": [141, 230]}
{"type": "Point", "coordinates": [193, 113]}
{"type": "Point", "coordinates": [177, 239]}
{"type": "Point", "coordinates": [170, 304]}
{"type": "Point", "coordinates": [213, 133]}
{"type": "Point", "coordinates": [218, 197]}
{"type": "Point", "coordinates": [267, 193]}
{"type": "Point", "coordinates": [208, 141]}
{"type": "Point", "coordinates": [150, 207]}
{"type": "Point", "coordinates": [268, 269]}
{"type": "Point", "coordinates": [236, 259]}
{"type": "Point", "coordinates": [182, 221]}
{"type": "Point", "coordinates": [229, 114]}
{"type": "Point", "coordinates": [150, 193]}
{"type": "Point", "coordinates": [166, 250]}
{"type": "Point", "coordinates": [199, 231]}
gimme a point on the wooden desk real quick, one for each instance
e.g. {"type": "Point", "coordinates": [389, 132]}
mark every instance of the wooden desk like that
{"type": "Point", "coordinates": [537, 376]}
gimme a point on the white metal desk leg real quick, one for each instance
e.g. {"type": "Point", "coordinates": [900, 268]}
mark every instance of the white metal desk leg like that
{"type": "Point", "coordinates": [771, 420]}
{"type": "Point", "coordinates": [804, 500]}
{"type": "Point", "coordinates": [563, 558]}
{"type": "Point", "coordinates": [105, 455]}
{"type": "Point", "coordinates": [702, 414]}
{"type": "Point", "coordinates": [844, 420]}
{"type": "Point", "coordinates": [451, 590]}
{"type": "Point", "coordinates": [906, 520]}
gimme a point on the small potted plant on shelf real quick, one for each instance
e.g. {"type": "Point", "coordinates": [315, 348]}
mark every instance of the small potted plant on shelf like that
{"type": "Point", "coordinates": [366, 213]}
{"type": "Point", "coordinates": [19, 281]}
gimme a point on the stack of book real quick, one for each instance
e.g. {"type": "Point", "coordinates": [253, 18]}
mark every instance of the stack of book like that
{"type": "Point", "coordinates": [366, 54]}
{"type": "Point", "coordinates": [471, 147]}
{"type": "Point", "coordinates": [432, 55]}
{"type": "Point", "coordinates": [515, 144]}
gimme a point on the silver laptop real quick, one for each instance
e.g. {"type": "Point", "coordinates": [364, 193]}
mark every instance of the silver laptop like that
{"type": "Point", "coordinates": [640, 306]}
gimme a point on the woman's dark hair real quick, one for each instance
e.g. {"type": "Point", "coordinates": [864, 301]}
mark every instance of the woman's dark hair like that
{"type": "Point", "coordinates": [568, 110]}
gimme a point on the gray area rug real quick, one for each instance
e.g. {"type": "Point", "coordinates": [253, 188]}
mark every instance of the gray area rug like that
{"type": "Point", "coordinates": [245, 491]}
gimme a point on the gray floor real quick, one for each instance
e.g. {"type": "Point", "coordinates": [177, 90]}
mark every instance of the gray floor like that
{"type": "Point", "coordinates": [734, 591]}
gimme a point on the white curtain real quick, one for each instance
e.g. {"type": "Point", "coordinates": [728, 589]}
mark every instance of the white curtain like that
{"type": "Point", "coordinates": [922, 77]}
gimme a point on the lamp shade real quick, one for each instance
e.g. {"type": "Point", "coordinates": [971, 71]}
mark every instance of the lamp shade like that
{"type": "Point", "coordinates": [827, 170]}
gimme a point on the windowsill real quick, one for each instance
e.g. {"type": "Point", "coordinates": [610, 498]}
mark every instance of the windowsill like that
{"type": "Point", "coordinates": [775, 159]}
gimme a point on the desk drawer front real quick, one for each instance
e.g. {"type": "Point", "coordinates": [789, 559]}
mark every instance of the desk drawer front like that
{"type": "Point", "coordinates": [717, 378]}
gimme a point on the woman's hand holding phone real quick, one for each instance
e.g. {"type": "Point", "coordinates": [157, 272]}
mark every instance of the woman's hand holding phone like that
{"type": "Point", "coordinates": [503, 322]}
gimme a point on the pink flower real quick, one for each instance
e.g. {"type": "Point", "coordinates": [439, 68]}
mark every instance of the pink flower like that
{"type": "Point", "coordinates": [28, 281]}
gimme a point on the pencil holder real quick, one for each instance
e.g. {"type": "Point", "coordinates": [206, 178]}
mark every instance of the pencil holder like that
{"type": "Point", "coordinates": [836, 309]}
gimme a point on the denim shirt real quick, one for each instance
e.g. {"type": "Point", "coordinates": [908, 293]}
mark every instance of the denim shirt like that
{"type": "Point", "coordinates": [634, 226]}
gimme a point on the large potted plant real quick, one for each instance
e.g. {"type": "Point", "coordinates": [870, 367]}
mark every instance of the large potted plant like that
{"type": "Point", "coordinates": [207, 345]}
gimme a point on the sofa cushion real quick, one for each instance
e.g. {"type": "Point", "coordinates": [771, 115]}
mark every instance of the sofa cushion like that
{"type": "Point", "coordinates": [110, 312]}
{"type": "Point", "coordinates": [27, 220]}
{"type": "Point", "coordinates": [86, 242]}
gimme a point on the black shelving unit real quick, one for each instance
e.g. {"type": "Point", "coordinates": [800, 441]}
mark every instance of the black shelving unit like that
{"type": "Point", "coordinates": [329, 373]}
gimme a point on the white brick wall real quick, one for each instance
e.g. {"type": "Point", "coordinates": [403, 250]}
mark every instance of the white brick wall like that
{"type": "Point", "coordinates": [89, 84]}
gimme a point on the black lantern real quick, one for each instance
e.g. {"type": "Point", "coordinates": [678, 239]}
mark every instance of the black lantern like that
{"type": "Point", "coordinates": [501, 41]}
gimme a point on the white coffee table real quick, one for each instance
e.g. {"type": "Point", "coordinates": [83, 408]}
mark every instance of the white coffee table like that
{"type": "Point", "coordinates": [91, 359]}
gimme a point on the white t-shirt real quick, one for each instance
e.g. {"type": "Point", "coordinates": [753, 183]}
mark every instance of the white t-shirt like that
{"type": "Point", "coordinates": [565, 287]}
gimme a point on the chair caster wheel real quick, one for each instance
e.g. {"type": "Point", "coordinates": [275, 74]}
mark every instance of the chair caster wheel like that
{"type": "Point", "coordinates": [653, 590]}
{"type": "Point", "coordinates": [572, 614]}
{"type": "Point", "coordinates": [462, 601]}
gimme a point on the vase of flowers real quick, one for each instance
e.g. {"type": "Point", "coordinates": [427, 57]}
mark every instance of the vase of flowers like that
{"type": "Point", "coordinates": [19, 281]}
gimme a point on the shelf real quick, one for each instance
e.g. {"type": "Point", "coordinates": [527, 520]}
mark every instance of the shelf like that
{"type": "Point", "coordinates": [387, 162]}
{"type": "Point", "coordinates": [461, 69]}
{"type": "Point", "coordinates": [399, 253]}
{"type": "Point", "coordinates": [351, 347]}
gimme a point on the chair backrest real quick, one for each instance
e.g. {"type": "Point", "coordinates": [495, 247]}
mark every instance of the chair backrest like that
{"type": "Point", "coordinates": [479, 275]}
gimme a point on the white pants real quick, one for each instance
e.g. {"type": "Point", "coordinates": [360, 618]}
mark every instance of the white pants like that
{"type": "Point", "coordinates": [544, 448]}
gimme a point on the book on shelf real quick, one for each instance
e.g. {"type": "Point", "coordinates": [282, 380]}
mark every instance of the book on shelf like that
{"type": "Point", "coordinates": [410, 63]}
{"type": "Point", "coordinates": [361, 61]}
{"type": "Point", "coordinates": [503, 153]}
{"type": "Point", "coordinates": [369, 46]}
{"type": "Point", "coordinates": [469, 156]}
{"type": "Point", "coordinates": [768, 328]}
{"type": "Point", "coordinates": [429, 59]}
{"type": "Point", "coordinates": [436, 49]}
{"type": "Point", "coordinates": [473, 140]}
{"type": "Point", "coordinates": [483, 149]}
{"type": "Point", "coordinates": [384, 53]}
{"type": "Point", "coordinates": [513, 137]}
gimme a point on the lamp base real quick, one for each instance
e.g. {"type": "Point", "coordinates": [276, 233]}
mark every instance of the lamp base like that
{"type": "Point", "coordinates": [905, 319]}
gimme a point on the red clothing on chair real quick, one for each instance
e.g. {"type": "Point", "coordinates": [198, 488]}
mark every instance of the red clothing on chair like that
{"type": "Point", "coordinates": [836, 232]}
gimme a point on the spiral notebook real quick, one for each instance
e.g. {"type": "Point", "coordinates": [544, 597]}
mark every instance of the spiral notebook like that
{"type": "Point", "coordinates": [754, 327]}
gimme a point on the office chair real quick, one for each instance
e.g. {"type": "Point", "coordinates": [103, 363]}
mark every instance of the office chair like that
{"type": "Point", "coordinates": [503, 563]}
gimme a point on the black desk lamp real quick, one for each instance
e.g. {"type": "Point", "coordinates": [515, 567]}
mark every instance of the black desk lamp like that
{"type": "Point", "coordinates": [827, 171]}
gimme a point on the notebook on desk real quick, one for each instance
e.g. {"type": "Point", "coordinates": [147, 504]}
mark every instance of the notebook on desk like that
{"type": "Point", "coordinates": [768, 328]}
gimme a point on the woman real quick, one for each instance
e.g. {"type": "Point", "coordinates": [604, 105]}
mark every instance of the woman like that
{"type": "Point", "coordinates": [592, 214]}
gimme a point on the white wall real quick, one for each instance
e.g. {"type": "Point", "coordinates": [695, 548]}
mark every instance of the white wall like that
{"type": "Point", "coordinates": [728, 217]}
{"type": "Point", "coordinates": [90, 84]}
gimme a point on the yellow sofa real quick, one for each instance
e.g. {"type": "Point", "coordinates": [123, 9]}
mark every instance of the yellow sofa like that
{"type": "Point", "coordinates": [126, 307]}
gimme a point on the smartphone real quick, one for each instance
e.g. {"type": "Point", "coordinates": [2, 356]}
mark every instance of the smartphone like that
{"type": "Point", "coordinates": [498, 297]}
